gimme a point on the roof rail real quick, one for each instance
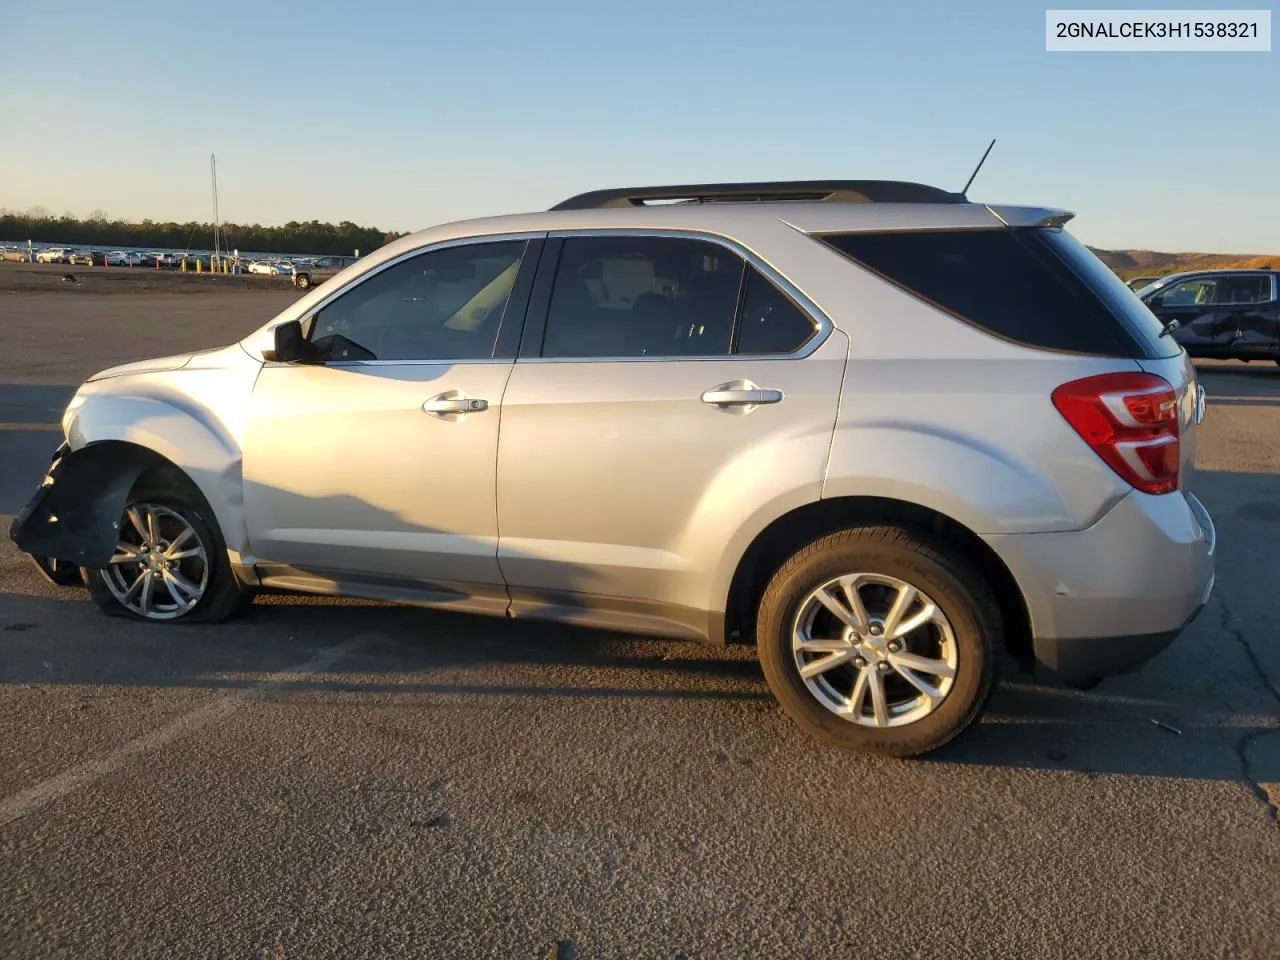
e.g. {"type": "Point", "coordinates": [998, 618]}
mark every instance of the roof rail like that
{"type": "Point", "coordinates": [827, 191]}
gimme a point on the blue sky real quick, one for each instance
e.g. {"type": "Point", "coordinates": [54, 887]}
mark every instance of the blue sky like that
{"type": "Point", "coordinates": [402, 115]}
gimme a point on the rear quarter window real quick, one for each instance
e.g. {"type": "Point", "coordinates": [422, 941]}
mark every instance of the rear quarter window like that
{"type": "Point", "coordinates": [1011, 283]}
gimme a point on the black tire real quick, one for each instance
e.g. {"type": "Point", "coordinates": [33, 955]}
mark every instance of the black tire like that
{"type": "Point", "coordinates": [223, 597]}
{"type": "Point", "coordinates": [961, 595]}
{"type": "Point", "coordinates": [303, 281]}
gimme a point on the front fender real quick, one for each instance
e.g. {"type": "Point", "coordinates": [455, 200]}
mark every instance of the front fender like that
{"type": "Point", "coordinates": [961, 477]}
{"type": "Point", "coordinates": [177, 429]}
{"type": "Point", "coordinates": [75, 515]}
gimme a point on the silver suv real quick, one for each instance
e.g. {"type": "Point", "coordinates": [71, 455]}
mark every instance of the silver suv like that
{"type": "Point", "coordinates": [888, 434]}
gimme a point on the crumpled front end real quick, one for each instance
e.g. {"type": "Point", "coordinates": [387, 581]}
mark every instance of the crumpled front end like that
{"type": "Point", "coordinates": [73, 520]}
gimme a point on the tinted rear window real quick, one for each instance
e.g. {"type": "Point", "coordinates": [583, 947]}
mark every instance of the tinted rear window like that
{"type": "Point", "coordinates": [1121, 300]}
{"type": "Point", "coordinates": [1030, 286]}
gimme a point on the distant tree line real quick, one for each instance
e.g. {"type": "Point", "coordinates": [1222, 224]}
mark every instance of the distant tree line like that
{"type": "Point", "coordinates": [313, 237]}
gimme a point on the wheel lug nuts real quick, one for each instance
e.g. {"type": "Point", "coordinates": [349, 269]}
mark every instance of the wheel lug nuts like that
{"type": "Point", "coordinates": [882, 666]}
{"type": "Point", "coordinates": [859, 662]}
{"type": "Point", "coordinates": [894, 646]}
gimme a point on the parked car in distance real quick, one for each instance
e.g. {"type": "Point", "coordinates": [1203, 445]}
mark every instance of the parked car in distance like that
{"type": "Point", "coordinates": [264, 268]}
{"type": "Point", "coordinates": [123, 258]}
{"type": "Point", "coordinates": [14, 254]}
{"type": "Point", "coordinates": [52, 255]}
{"type": "Point", "coordinates": [307, 275]}
{"type": "Point", "coordinates": [883, 432]}
{"type": "Point", "coordinates": [1223, 314]}
{"type": "Point", "coordinates": [80, 258]}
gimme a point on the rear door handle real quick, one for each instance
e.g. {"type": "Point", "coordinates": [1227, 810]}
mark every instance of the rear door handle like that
{"type": "Point", "coordinates": [454, 403]}
{"type": "Point", "coordinates": [740, 393]}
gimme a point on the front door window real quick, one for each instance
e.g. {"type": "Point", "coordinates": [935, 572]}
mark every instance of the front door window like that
{"type": "Point", "coordinates": [441, 305]}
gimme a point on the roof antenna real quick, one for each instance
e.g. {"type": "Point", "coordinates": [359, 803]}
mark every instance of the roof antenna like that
{"type": "Point", "coordinates": [965, 192]}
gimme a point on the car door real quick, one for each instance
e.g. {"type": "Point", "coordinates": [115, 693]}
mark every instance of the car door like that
{"type": "Point", "coordinates": [1193, 304]}
{"type": "Point", "coordinates": [372, 464]}
{"type": "Point", "coordinates": [649, 417]}
{"type": "Point", "coordinates": [1247, 308]}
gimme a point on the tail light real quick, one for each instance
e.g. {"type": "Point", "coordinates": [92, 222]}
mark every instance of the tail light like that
{"type": "Point", "coordinates": [1130, 420]}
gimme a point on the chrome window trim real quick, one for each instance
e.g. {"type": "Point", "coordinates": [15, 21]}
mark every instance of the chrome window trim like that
{"type": "Point", "coordinates": [346, 364]}
{"type": "Point", "coordinates": [524, 235]}
{"type": "Point", "coordinates": [823, 325]}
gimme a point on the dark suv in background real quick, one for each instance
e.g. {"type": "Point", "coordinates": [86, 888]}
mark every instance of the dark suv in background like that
{"type": "Point", "coordinates": [1225, 314]}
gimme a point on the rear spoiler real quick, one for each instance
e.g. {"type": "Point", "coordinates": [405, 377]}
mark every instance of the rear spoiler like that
{"type": "Point", "coordinates": [1030, 216]}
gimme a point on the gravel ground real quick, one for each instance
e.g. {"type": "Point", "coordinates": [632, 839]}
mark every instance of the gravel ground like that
{"type": "Point", "coordinates": [343, 779]}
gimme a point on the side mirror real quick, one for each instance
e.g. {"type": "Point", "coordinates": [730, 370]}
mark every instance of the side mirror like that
{"type": "Point", "coordinates": [290, 345]}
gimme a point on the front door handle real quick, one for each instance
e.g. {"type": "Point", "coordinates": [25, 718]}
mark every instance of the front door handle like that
{"type": "Point", "coordinates": [740, 393]}
{"type": "Point", "coordinates": [454, 405]}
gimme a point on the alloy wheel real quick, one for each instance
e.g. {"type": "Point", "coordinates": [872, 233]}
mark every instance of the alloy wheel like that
{"type": "Point", "coordinates": [160, 568]}
{"type": "Point", "coordinates": [874, 650]}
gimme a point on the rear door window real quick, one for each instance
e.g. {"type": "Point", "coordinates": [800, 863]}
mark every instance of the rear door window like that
{"type": "Point", "coordinates": [628, 296]}
{"type": "Point", "coordinates": [1244, 289]}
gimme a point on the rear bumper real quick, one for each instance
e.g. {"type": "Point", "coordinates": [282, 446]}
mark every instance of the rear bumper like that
{"type": "Point", "coordinates": [1087, 658]}
{"type": "Point", "coordinates": [1107, 599]}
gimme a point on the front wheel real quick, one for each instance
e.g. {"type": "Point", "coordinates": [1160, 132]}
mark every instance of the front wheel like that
{"type": "Point", "coordinates": [877, 640]}
{"type": "Point", "coordinates": [170, 564]}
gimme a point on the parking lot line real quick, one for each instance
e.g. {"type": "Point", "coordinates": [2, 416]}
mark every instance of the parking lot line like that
{"type": "Point", "coordinates": [84, 774]}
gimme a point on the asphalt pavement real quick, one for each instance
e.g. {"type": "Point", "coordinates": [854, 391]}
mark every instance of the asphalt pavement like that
{"type": "Point", "coordinates": [344, 779]}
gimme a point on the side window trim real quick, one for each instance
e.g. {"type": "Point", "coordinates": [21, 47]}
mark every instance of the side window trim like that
{"type": "Point", "coordinates": [534, 243]}
{"type": "Point", "coordinates": [535, 325]}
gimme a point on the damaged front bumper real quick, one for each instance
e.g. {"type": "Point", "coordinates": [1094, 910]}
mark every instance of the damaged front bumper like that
{"type": "Point", "coordinates": [55, 571]}
{"type": "Point", "coordinates": [73, 520]}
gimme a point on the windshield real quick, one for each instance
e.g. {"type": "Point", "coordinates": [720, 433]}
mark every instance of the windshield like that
{"type": "Point", "coordinates": [1123, 302]}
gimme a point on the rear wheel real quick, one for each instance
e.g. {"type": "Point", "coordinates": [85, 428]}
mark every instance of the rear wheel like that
{"type": "Point", "coordinates": [877, 640]}
{"type": "Point", "coordinates": [170, 564]}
